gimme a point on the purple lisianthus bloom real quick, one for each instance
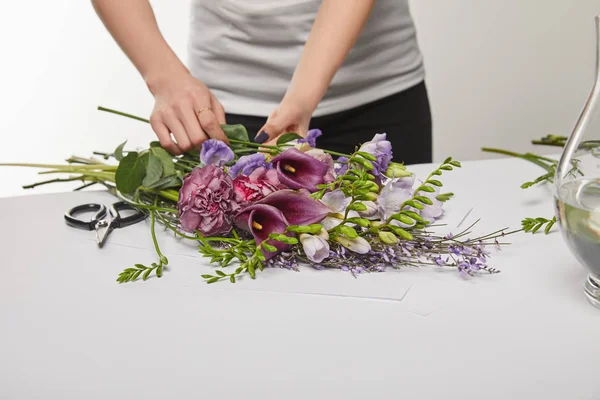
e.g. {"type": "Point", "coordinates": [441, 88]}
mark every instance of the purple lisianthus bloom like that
{"type": "Point", "coordinates": [341, 165]}
{"type": "Point", "coordinates": [311, 137]}
{"type": "Point", "coordinates": [247, 164]}
{"type": "Point", "coordinates": [207, 201]}
{"type": "Point", "coordinates": [382, 150]}
{"type": "Point", "coordinates": [215, 152]}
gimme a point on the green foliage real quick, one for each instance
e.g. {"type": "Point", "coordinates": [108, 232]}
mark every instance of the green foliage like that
{"type": "Point", "coordinates": [287, 137]}
{"type": "Point", "coordinates": [533, 225]}
{"type": "Point", "coordinates": [130, 173]}
{"type": "Point", "coordinates": [119, 151]}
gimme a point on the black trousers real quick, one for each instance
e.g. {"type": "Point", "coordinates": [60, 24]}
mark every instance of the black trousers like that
{"type": "Point", "coordinates": [405, 117]}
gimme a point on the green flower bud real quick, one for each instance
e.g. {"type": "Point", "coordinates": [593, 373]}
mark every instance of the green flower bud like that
{"type": "Point", "coordinates": [387, 237]}
{"type": "Point", "coordinates": [396, 170]}
{"type": "Point", "coordinates": [371, 196]}
{"type": "Point", "coordinates": [347, 231]}
{"type": "Point", "coordinates": [401, 232]}
{"type": "Point", "coordinates": [376, 224]}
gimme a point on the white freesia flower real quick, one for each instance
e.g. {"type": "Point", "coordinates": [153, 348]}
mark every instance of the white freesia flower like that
{"type": "Point", "coordinates": [358, 245]}
{"type": "Point", "coordinates": [316, 247]}
{"type": "Point", "coordinates": [391, 198]}
{"type": "Point", "coordinates": [337, 202]}
{"type": "Point", "coordinates": [372, 209]}
{"type": "Point", "coordinates": [431, 212]}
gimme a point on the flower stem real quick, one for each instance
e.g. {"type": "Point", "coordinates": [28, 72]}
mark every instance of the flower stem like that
{"type": "Point", "coordinates": [67, 168]}
{"type": "Point", "coordinates": [123, 114]}
{"type": "Point", "coordinates": [528, 157]}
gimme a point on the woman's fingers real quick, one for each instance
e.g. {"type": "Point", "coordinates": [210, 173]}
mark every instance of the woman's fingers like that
{"type": "Point", "coordinates": [164, 135]}
{"type": "Point", "coordinates": [188, 118]}
{"type": "Point", "coordinates": [218, 110]}
{"type": "Point", "coordinates": [209, 118]}
{"type": "Point", "coordinates": [176, 128]}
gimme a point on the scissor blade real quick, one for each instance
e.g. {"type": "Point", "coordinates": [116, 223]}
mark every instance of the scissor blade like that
{"type": "Point", "coordinates": [103, 228]}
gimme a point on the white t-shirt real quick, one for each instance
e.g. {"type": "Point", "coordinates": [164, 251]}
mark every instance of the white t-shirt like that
{"type": "Point", "coordinates": [246, 51]}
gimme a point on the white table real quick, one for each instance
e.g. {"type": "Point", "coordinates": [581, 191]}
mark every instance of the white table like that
{"type": "Point", "coordinates": [69, 331]}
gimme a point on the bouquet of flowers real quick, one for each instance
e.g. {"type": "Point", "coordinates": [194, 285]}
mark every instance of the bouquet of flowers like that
{"type": "Point", "coordinates": [250, 206]}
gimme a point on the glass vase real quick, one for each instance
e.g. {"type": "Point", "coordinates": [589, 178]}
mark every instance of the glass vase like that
{"type": "Point", "coordinates": [577, 187]}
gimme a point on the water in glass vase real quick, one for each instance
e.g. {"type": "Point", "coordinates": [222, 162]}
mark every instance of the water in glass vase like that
{"type": "Point", "coordinates": [578, 209]}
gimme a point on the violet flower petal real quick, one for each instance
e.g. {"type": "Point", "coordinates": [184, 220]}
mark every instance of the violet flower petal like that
{"type": "Point", "coordinates": [297, 207]}
{"type": "Point", "coordinates": [262, 220]}
{"type": "Point", "coordinates": [215, 152]}
{"type": "Point", "coordinates": [298, 170]}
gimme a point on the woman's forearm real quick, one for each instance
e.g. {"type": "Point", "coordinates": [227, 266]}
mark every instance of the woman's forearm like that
{"type": "Point", "coordinates": [133, 26]}
{"type": "Point", "coordinates": [334, 32]}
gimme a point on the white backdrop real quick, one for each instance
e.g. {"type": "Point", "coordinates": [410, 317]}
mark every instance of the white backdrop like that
{"type": "Point", "coordinates": [499, 74]}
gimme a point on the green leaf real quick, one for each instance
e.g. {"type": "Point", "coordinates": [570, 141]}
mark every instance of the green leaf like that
{"type": "Point", "coordinates": [236, 132]}
{"type": "Point", "coordinates": [154, 169]}
{"type": "Point", "coordinates": [119, 151]}
{"type": "Point", "coordinates": [168, 167]}
{"type": "Point", "coordinates": [135, 275]}
{"type": "Point", "coordinates": [130, 173]}
{"type": "Point", "coordinates": [155, 143]}
{"type": "Point", "coordinates": [435, 182]}
{"type": "Point", "coordinates": [446, 167]}
{"type": "Point", "coordinates": [456, 164]}
{"type": "Point", "coordinates": [213, 280]}
{"type": "Point", "coordinates": [146, 274]}
{"type": "Point", "coordinates": [232, 279]}
{"type": "Point", "coordinates": [347, 231]}
{"type": "Point", "coordinates": [220, 273]}
{"type": "Point", "coordinates": [166, 182]}
{"type": "Point", "coordinates": [444, 197]}
{"type": "Point", "coordinates": [288, 137]}
{"type": "Point", "coordinates": [447, 160]}
{"type": "Point", "coordinates": [206, 276]}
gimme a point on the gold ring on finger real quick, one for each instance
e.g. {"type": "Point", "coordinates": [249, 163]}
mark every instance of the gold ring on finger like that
{"type": "Point", "coordinates": [203, 109]}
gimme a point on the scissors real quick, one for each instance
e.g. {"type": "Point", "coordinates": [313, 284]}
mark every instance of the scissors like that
{"type": "Point", "coordinates": [99, 222]}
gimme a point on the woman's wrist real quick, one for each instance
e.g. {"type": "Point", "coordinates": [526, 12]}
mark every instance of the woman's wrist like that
{"type": "Point", "coordinates": [160, 74]}
{"type": "Point", "coordinates": [305, 97]}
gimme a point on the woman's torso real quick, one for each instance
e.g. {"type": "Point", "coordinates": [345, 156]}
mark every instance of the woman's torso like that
{"type": "Point", "coordinates": [246, 52]}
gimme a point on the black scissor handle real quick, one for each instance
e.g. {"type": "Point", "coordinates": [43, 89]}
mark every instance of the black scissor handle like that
{"type": "Point", "coordinates": [72, 220]}
{"type": "Point", "coordinates": [120, 221]}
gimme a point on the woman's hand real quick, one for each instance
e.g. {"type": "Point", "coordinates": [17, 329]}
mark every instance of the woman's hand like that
{"type": "Point", "coordinates": [290, 116]}
{"type": "Point", "coordinates": [188, 110]}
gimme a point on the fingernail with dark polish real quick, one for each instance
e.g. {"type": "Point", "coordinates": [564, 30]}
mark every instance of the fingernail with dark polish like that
{"type": "Point", "coordinates": [261, 137]}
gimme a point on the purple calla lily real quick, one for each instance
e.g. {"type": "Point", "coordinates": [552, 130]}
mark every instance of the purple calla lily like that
{"type": "Point", "coordinates": [298, 170]}
{"type": "Point", "coordinates": [276, 212]}
{"type": "Point", "coordinates": [262, 220]}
